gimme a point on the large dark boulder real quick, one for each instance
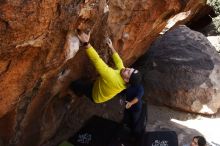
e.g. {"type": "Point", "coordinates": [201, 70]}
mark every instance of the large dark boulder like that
{"type": "Point", "coordinates": [181, 70]}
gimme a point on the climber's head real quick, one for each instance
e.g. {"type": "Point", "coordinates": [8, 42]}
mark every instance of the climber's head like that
{"type": "Point", "coordinates": [131, 76]}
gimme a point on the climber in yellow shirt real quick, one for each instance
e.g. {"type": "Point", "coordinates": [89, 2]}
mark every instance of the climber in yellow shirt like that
{"type": "Point", "coordinates": [111, 81]}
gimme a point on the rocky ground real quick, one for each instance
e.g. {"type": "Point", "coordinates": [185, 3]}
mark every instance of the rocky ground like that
{"type": "Point", "coordinates": [160, 118]}
{"type": "Point", "coordinates": [185, 124]}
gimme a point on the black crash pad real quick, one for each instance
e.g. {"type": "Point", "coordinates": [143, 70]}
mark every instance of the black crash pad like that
{"type": "Point", "coordinates": [123, 138]}
{"type": "Point", "coordinates": [96, 132]}
{"type": "Point", "coordinates": [160, 138]}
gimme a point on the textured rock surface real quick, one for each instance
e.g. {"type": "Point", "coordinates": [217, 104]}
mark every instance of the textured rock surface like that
{"type": "Point", "coordinates": [182, 71]}
{"type": "Point", "coordinates": [35, 69]}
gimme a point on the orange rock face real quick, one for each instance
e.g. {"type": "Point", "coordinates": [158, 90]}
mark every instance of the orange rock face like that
{"type": "Point", "coordinates": [35, 69]}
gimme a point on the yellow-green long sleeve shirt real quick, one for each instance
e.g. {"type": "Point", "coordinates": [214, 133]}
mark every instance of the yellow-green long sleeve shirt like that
{"type": "Point", "coordinates": [110, 82]}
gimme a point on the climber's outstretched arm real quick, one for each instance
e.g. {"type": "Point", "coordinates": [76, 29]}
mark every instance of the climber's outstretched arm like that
{"type": "Point", "coordinates": [116, 58]}
{"type": "Point", "coordinates": [101, 67]}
